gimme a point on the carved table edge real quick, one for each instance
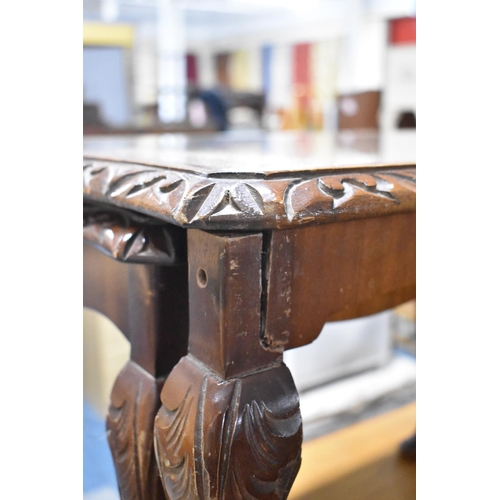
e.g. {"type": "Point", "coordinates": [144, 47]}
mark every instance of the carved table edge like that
{"type": "Point", "coordinates": [193, 200]}
{"type": "Point", "coordinates": [130, 237]}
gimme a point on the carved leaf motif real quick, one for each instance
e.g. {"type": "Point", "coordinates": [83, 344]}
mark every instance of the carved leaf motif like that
{"type": "Point", "coordinates": [175, 470]}
{"type": "Point", "coordinates": [169, 187]}
{"type": "Point", "coordinates": [222, 442]}
{"type": "Point", "coordinates": [129, 429]}
{"type": "Point", "coordinates": [342, 189]}
{"type": "Point", "coordinates": [125, 236]}
{"type": "Point", "coordinates": [171, 195]}
{"type": "Point", "coordinates": [133, 183]}
{"type": "Point", "coordinates": [120, 424]}
{"type": "Point", "coordinates": [272, 443]}
{"type": "Point", "coordinates": [218, 197]}
{"type": "Point", "coordinates": [224, 199]}
{"type": "Point", "coordinates": [248, 199]}
{"type": "Point", "coordinates": [197, 200]}
{"type": "Point", "coordinates": [304, 197]}
{"type": "Point", "coordinates": [190, 199]}
{"type": "Point", "coordinates": [95, 176]}
{"type": "Point", "coordinates": [202, 477]}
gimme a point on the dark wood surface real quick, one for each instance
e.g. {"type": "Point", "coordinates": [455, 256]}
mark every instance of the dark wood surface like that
{"type": "Point", "coordinates": [336, 272]}
{"type": "Point", "coordinates": [230, 425]}
{"type": "Point", "coordinates": [149, 303]}
{"type": "Point", "coordinates": [225, 182]}
{"type": "Point", "coordinates": [294, 235]}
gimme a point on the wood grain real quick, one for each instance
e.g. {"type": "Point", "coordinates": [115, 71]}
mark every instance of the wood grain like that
{"type": "Point", "coordinates": [227, 308]}
{"type": "Point", "coordinates": [105, 287]}
{"type": "Point", "coordinates": [337, 272]}
{"type": "Point", "coordinates": [149, 303]}
{"type": "Point", "coordinates": [230, 425]}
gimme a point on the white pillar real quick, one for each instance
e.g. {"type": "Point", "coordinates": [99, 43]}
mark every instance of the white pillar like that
{"type": "Point", "coordinates": [171, 61]}
{"type": "Point", "coordinates": [110, 10]}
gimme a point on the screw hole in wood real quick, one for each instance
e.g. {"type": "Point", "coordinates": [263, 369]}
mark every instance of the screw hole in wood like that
{"type": "Point", "coordinates": [201, 278]}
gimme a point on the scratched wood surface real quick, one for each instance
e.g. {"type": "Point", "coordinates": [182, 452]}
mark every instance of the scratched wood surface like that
{"type": "Point", "coordinates": [336, 272]}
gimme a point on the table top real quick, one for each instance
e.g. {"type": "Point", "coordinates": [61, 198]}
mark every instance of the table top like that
{"type": "Point", "coordinates": [252, 180]}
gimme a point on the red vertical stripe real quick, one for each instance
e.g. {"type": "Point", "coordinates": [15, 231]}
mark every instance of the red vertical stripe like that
{"type": "Point", "coordinates": [301, 55]}
{"type": "Point", "coordinates": [302, 73]}
{"type": "Point", "coordinates": [403, 30]}
{"type": "Point", "coordinates": [192, 69]}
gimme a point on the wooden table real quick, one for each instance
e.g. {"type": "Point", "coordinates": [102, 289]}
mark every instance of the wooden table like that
{"type": "Point", "coordinates": [213, 254]}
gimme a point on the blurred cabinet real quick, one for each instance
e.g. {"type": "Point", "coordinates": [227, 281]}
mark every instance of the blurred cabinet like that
{"type": "Point", "coordinates": [359, 111]}
{"type": "Point", "coordinates": [399, 101]}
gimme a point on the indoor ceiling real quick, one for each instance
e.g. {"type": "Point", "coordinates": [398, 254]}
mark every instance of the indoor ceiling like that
{"type": "Point", "coordinates": [208, 18]}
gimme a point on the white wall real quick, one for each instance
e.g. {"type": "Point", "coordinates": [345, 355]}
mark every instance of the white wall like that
{"type": "Point", "coordinates": [145, 64]}
{"type": "Point", "coordinates": [362, 57]}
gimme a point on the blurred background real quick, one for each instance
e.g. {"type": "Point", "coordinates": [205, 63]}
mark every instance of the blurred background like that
{"type": "Point", "coordinates": [343, 67]}
{"type": "Point", "coordinates": [194, 65]}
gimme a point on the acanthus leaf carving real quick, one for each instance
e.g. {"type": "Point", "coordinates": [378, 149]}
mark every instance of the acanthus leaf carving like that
{"type": "Point", "coordinates": [133, 182]}
{"type": "Point", "coordinates": [224, 200]}
{"type": "Point", "coordinates": [131, 237]}
{"type": "Point", "coordinates": [190, 199]}
{"type": "Point", "coordinates": [129, 427]}
{"type": "Point", "coordinates": [234, 444]}
{"type": "Point", "coordinates": [342, 189]}
{"type": "Point", "coordinates": [174, 465]}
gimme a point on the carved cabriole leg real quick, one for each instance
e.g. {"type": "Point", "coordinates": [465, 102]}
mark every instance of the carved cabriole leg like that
{"type": "Point", "coordinates": [147, 298]}
{"type": "Point", "coordinates": [158, 319]}
{"type": "Point", "coordinates": [229, 427]}
{"type": "Point", "coordinates": [134, 403]}
{"type": "Point", "coordinates": [236, 438]}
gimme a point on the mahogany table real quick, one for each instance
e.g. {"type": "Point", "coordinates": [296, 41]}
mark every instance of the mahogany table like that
{"type": "Point", "coordinates": [213, 254]}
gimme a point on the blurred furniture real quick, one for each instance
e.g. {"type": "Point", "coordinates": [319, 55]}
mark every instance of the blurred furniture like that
{"type": "Point", "coordinates": [221, 100]}
{"type": "Point", "coordinates": [251, 100]}
{"type": "Point", "coordinates": [92, 120]}
{"type": "Point", "coordinates": [400, 96]}
{"type": "Point", "coordinates": [93, 124]}
{"type": "Point", "coordinates": [222, 68]}
{"type": "Point", "coordinates": [218, 103]}
{"type": "Point", "coordinates": [359, 111]}
{"type": "Point", "coordinates": [214, 254]}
